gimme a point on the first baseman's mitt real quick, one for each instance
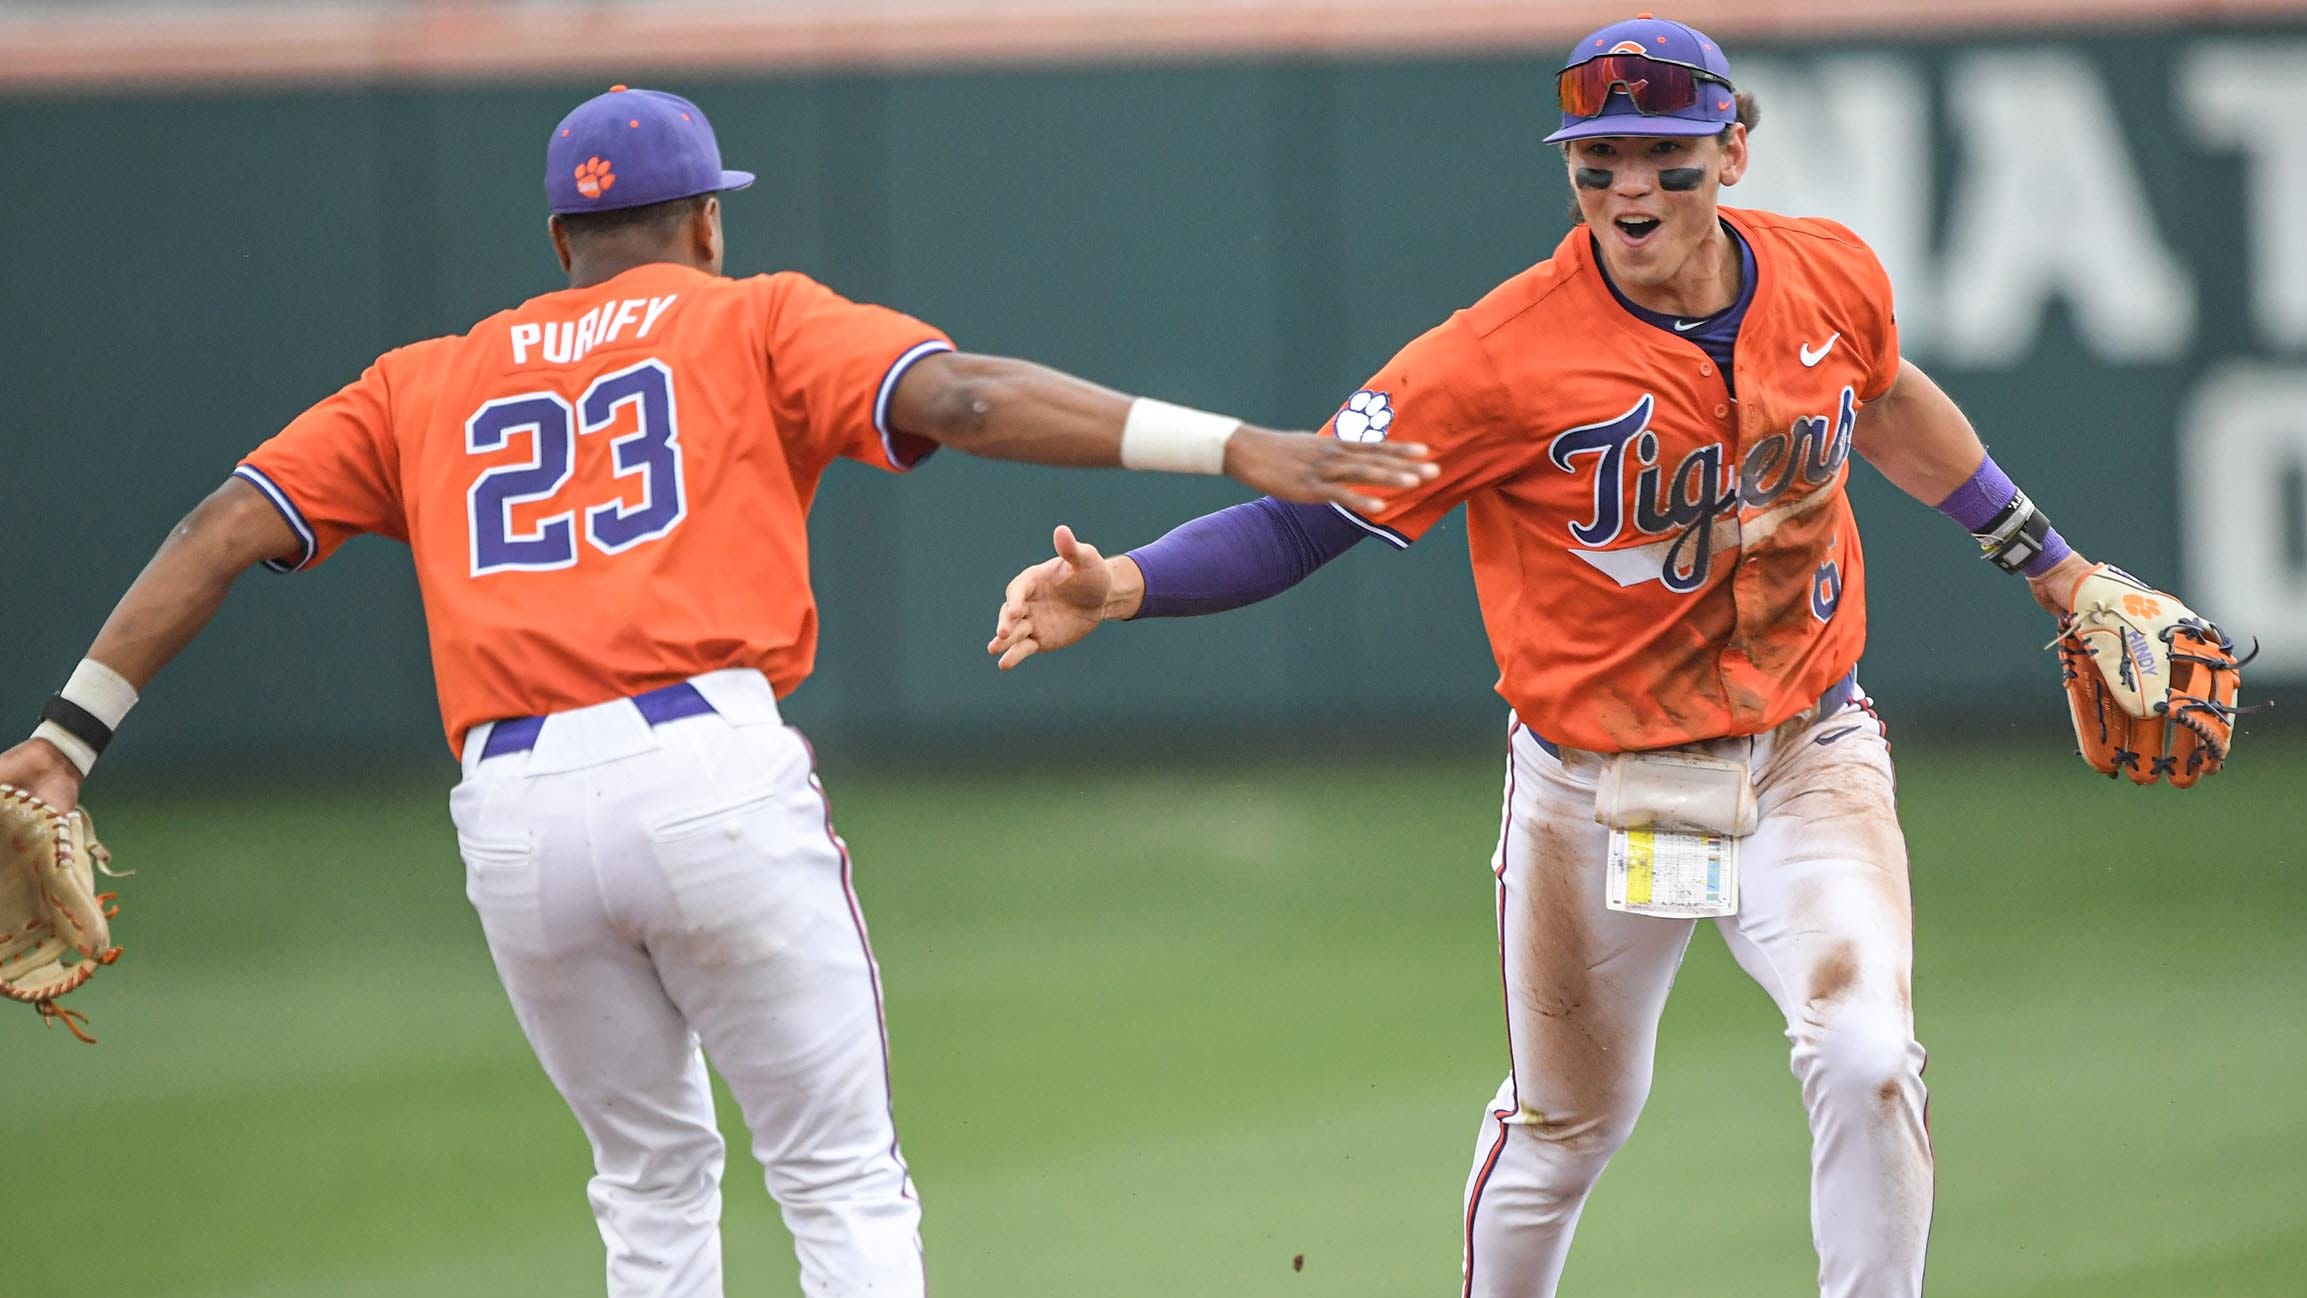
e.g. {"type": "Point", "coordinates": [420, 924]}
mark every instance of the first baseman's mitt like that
{"type": "Point", "coordinates": [53, 932]}
{"type": "Point", "coordinates": [2151, 683]}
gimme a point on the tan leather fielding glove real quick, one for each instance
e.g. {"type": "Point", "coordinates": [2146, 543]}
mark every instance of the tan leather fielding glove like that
{"type": "Point", "coordinates": [2151, 683]}
{"type": "Point", "coordinates": [53, 929]}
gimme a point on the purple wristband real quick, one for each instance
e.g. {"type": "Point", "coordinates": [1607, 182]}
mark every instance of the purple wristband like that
{"type": "Point", "coordinates": [2055, 548]}
{"type": "Point", "coordinates": [1975, 503]}
{"type": "Point", "coordinates": [1984, 495]}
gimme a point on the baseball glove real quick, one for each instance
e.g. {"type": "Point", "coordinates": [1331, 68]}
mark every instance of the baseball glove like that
{"type": "Point", "coordinates": [2151, 683]}
{"type": "Point", "coordinates": [53, 929]}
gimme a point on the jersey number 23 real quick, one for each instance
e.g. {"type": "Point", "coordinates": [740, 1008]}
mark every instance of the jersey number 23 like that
{"type": "Point", "coordinates": [652, 452]}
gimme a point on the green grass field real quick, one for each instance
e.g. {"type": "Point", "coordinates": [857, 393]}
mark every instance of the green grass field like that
{"type": "Point", "coordinates": [1156, 1034]}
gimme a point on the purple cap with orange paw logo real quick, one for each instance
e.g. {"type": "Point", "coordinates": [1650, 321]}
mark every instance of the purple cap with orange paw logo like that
{"type": "Point", "coordinates": [631, 148]}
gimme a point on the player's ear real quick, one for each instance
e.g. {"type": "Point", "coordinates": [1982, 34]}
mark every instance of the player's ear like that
{"type": "Point", "coordinates": [1732, 142]}
{"type": "Point", "coordinates": [559, 234]}
{"type": "Point", "coordinates": [705, 230]}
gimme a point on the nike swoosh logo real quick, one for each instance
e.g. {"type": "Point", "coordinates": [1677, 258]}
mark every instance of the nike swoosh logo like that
{"type": "Point", "coordinates": [1810, 358]}
{"type": "Point", "coordinates": [1685, 326]}
{"type": "Point", "coordinates": [1825, 739]}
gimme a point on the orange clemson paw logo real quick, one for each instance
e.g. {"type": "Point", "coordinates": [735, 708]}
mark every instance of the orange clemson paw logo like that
{"type": "Point", "coordinates": [2141, 606]}
{"type": "Point", "coordinates": [594, 177]}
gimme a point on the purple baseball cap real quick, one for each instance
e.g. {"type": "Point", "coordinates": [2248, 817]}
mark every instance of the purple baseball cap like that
{"type": "Point", "coordinates": [631, 148]}
{"type": "Point", "coordinates": [1669, 42]}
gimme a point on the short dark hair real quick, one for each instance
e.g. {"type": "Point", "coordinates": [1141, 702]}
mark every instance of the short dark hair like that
{"type": "Point", "coordinates": [655, 219]}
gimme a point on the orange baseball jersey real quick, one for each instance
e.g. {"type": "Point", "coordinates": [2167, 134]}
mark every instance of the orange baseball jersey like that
{"type": "Point", "coordinates": [604, 488]}
{"type": "Point", "coordinates": [1657, 563]}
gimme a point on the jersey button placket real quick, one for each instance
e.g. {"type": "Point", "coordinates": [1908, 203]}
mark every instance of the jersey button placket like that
{"type": "Point", "coordinates": [1733, 667]}
{"type": "Point", "coordinates": [1750, 600]}
{"type": "Point", "coordinates": [1746, 591]}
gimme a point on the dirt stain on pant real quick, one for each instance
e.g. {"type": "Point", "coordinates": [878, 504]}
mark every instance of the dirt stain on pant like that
{"type": "Point", "coordinates": [1574, 1026]}
{"type": "Point", "coordinates": [1835, 975]}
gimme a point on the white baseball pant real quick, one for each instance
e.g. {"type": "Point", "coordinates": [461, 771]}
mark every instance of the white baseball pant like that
{"type": "Point", "coordinates": [647, 890]}
{"type": "Point", "coordinates": [1825, 925]}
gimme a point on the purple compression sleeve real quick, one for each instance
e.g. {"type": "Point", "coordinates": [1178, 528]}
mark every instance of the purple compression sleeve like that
{"type": "Point", "coordinates": [1239, 556]}
{"type": "Point", "coordinates": [1975, 504]}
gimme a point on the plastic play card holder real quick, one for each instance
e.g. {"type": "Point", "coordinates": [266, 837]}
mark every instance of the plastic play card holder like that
{"type": "Point", "coordinates": [1675, 819]}
{"type": "Point", "coordinates": [1672, 873]}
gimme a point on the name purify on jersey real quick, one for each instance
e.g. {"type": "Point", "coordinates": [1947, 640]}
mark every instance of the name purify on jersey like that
{"type": "Point", "coordinates": [1686, 503]}
{"type": "Point", "coordinates": [565, 342]}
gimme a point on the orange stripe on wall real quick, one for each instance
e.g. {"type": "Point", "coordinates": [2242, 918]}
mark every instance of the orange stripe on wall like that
{"type": "Point", "coordinates": [229, 46]}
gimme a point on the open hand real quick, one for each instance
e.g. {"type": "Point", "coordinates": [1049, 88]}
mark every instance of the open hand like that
{"type": "Point", "coordinates": [1053, 603]}
{"type": "Point", "coordinates": [1323, 470]}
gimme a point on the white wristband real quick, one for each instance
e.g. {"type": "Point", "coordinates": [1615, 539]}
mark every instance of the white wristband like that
{"type": "Point", "coordinates": [104, 692]}
{"type": "Point", "coordinates": [69, 744]}
{"type": "Point", "coordinates": [1174, 439]}
{"type": "Point", "coordinates": [97, 694]}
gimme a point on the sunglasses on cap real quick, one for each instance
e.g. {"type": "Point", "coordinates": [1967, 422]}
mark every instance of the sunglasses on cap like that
{"type": "Point", "coordinates": [1655, 86]}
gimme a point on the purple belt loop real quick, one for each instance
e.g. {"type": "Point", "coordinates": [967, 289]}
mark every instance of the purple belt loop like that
{"type": "Point", "coordinates": [671, 703]}
{"type": "Point", "coordinates": [517, 735]}
{"type": "Point", "coordinates": [1838, 695]}
{"type": "Point", "coordinates": [658, 706]}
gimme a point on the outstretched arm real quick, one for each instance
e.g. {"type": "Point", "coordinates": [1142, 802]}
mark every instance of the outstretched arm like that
{"type": "Point", "coordinates": [1921, 441]}
{"type": "Point", "coordinates": [1007, 409]}
{"type": "Point", "coordinates": [170, 601]}
{"type": "Point", "coordinates": [2151, 684]}
{"type": "Point", "coordinates": [1219, 561]}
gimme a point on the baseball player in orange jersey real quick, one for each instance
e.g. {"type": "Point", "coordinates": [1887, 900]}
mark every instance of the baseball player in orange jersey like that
{"type": "Point", "coordinates": [1650, 432]}
{"type": "Point", "coordinates": [603, 490]}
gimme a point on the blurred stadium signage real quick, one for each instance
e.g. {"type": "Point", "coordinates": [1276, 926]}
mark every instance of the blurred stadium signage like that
{"type": "Point", "coordinates": [2006, 186]}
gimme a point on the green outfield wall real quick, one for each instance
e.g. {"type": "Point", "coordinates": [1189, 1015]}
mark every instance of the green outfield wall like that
{"type": "Point", "coordinates": [2100, 247]}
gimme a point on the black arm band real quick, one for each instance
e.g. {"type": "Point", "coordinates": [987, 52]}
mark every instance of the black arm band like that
{"type": "Point", "coordinates": [2017, 533]}
{"type": "Point", "coordinates": [77, 721]}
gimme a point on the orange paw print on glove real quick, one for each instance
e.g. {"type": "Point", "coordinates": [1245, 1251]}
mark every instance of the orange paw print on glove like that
{"type": "Point", "coordinates": [2142, 607]}
{"type": "Point", "coordinates": [594, 177]}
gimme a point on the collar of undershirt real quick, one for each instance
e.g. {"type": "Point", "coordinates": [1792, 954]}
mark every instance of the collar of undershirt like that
{"type": "Point", "coordinates": [1661, 320]}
